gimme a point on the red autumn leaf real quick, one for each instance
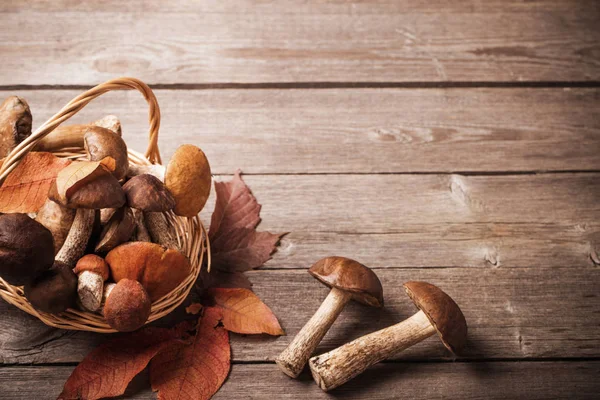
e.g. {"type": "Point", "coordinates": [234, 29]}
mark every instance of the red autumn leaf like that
{"type": "Point", "coordinates": [26, 188]}
{"type": "Point", "coordinates": [108, 369]}
{"type": "Point", "coordinates": [244, 312]}
{"type": "Point", "coordinates": [236, 246]}
{"type": "Point", "coordinates": [195, 371]}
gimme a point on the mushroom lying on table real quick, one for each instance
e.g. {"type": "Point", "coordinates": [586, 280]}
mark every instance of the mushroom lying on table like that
{"type": "Point", "coordinates": [348, 280]}
{"type": "Point", "coordinates": [438, 314]}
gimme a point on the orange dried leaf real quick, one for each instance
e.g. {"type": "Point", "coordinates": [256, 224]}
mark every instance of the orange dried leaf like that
{"type": "Point", "coordinates": [73, 177]}
{"type": "Point", "coordinates": [193, 308]}
{"type": "Point", "coordinates": [26, 188]}
{"type": "Point", "coordinates": [108, 369]}
{"type": "Point", "coordinates": [244, 312]}
{"type": "Point", "coordinates": [195, 371]}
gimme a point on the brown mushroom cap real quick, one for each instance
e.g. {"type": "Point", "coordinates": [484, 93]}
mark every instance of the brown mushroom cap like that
{"type": "Point", "coordinates": [351, 276]}
{"type": "Point", "coordinates": [101, 142]}
{"type": "Point", "coordinates": [26, 248]}
{"type": "Point", "coordinates": [92, 263]}
{"type": "Point", "coordinates": [157, 268]}
{"type": "Point", "coordinates": [54, 290]}
{"type": "Point", "coordinates": [128, 306]}
{"type": "Point", "coordinates": [15, 123]}
{"type": "Point", "coordinates": [118, 230]}
{"type": "Point", "coordinates": [189, 180]}
{"type": "Point", "coordinates": [147, 193]}
{"type": "Point", "coordinates": [443, 313]}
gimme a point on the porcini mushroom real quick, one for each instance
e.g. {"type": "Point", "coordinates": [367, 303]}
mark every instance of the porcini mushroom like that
{"type": "Point", "coordinates": [100, 143]}
{"type": "Point", "coordinates": [68, 136]}
{"type": "Point", "coordinates": [128, 306]}
{"type": "Point", "coordinates": [54, 290]}
{"type": "Point", "coordinates": [148, 194]}
{"type": "Point", "coordinates": [118, 230]}
{"type": "Point", "coordinates": [102, 192]}
{"type": "Point", "coordinates": [15, 123]}
{"type": "Point", "coordinates": [348, 280]}
{"type": "Point", "coordinates": [438, 314]}
{"type": "Point", "coordinates": [158, 269]}
{"type": "Point", "coordinates": [187, 176]}
{"type": "Point", "coordinates": [92, 271]}
{"type": "Point", "coordinates": [26, 248]}
{"type": "Point", "coordinates": [57, 219]}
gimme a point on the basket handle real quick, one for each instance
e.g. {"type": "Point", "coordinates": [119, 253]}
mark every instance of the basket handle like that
{"type": "Point", "coordinates": [74, 106]}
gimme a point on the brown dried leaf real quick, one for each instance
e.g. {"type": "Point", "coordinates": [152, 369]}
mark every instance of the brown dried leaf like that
{"type": "Point", "coordinates": [244, 312]}
{"type": "Point", "coordinates": [26, 188]}
{"type": "Point", "coordinates": [198, 370]}
{"type": "Point", "coordinates": [236, 246]}
{"type": "Point", "coordinates": [108, 369]}
{"type": "Point", "coordinates": [73, 177]}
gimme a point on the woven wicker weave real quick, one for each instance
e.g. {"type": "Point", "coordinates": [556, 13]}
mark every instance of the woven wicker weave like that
{"type": "Point", "coordinates": [190, 232]}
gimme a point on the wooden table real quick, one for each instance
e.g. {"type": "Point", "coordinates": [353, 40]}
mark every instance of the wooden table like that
{"type": "Point", "coordinates": [452, 142]}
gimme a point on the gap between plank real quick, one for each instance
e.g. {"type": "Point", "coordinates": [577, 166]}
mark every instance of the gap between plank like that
{"type": "Point", "coordinates": [332, 85]}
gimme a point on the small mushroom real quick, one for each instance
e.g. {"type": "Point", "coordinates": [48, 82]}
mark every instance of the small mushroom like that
{"type": "Point", "coordinates": [68, 136]}
{"type": "Point", "coordinates": [57, 219]}
{"type": "Point", "coordinates": [158, 269]}
{"type": "Point", "coordinates": [15, 123]}
{"type": "Point", "coordinates": [438, 314]}
{"type": "Point", "coordinates": [118, 230]}
{"type": "Point", "coordinates": [54, 290]}
{"type": "Point", "coordinates": [92, 271]}
{"type": "Point", "coordinates": [100, 143]}
{"type": "Point", "coordinates": [348, 280]}
{"type": "Point", "coordinates": [148, 194]}
{"type": "Point", "coordinates": [26, 248]}
{"type": "Point", "coordinates": [127, 306]}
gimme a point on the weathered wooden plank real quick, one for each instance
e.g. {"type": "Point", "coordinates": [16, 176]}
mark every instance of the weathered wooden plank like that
{"type": "Point", "coordinates": [65, 43]}
{"type": "Point", "coordinates": [361, 130]}
{"type": "Point", "coordinates": [512, 313]}
{"type": "Point", "coordinates": [489, 380]}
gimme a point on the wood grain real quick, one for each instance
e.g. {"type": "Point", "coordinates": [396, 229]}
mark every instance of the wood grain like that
{"type": "Point", "coordinates": [499, 380]}
{"type": "Point", "coordinates": [339, 42]}
{"type": "Point", "coordinates": [359, 130]}
{"type": "Point", "coordinates": [516, 313]}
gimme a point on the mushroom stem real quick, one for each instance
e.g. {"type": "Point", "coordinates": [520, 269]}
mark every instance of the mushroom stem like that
{"type": "Point", "coordinates": [293, 359]}
{"type": "Point", "coordinates": [338, 366]}
{"type": "Point", "coordinates": [77, 239]}
{"type": "Point", "coordinates": [90, 289]}
{"type": "Point", "coordinates": [141, 232]}
{"type": "Point", "coordinates": [160, 231]}
{"type": "Point", "coordinates": [72, 135]}
{"type": "Point", "coordinates": [156, 170]}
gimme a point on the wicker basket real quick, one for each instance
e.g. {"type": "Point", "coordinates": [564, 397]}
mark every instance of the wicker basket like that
{"type": "Point", "coordinates": [190, 232]}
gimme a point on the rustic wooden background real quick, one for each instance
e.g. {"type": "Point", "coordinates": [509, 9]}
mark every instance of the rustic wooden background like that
{"type": "Point", "coordinates": [453, 142]}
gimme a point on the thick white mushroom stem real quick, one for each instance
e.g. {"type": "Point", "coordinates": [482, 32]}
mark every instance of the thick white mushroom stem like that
{"type": "Point", "coordinates": [338, 366]}
{"type": "Point", "coordinates": [77, 239]}
{"type": "Point", "coordinates": [154, 169]}
{"type": "Point", "coordinates": [160, 231]}
{"type": "Point", "coordinates": [293, 359]}
{"type": "Point", "coordinates": [90, 288]}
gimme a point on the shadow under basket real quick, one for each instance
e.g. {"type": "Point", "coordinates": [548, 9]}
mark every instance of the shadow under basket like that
{"type": "Point", "coordinates": [190, 232]}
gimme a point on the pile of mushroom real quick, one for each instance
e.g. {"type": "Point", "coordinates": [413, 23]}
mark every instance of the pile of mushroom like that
{"type": "Point", "coordinates": [102, 244]}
